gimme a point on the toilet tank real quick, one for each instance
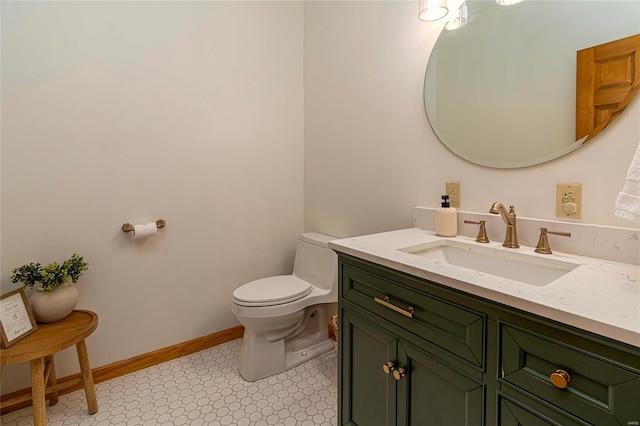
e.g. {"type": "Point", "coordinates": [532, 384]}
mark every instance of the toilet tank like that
{"type": "Point", "coordinates": [315, 262]}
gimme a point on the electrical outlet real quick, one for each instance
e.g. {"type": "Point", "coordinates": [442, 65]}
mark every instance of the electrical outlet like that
{"type": "Point", "coordinates": [569, 200]}
{"type": "Point", "coordinates": [452, 189]}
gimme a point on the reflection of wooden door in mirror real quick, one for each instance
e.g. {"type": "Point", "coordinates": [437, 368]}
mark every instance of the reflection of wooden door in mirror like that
{"type": "Point", "coordinates": [608, 78]}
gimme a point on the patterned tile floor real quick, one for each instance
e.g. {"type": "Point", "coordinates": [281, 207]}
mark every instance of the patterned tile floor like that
{"type": "Point", "coordinates": [203, 388]}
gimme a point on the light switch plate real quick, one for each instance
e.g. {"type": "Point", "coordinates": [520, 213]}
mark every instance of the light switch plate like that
{"type": "Point", "coordinates": [452, 189]}
{"type": "Point", "coordinates": [569, 200]}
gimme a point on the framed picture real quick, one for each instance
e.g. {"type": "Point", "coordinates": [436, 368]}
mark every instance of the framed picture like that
{"type": "Point", "coordinates": [16, 319]}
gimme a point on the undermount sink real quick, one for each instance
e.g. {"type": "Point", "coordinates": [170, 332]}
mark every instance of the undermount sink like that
{"type": "Point", "coordinates": [505, 263]}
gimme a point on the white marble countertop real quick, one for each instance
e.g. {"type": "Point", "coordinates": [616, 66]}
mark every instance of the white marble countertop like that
{"type": "Point", "coordinates": [599, 296]}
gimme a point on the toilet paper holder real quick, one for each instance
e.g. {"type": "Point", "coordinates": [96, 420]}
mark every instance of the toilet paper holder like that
{"type": "Point", "coordinates": [128, 227]}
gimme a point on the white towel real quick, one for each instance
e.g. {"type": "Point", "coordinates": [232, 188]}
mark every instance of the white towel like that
{"type": "Point", "coordinates": [628, 201]}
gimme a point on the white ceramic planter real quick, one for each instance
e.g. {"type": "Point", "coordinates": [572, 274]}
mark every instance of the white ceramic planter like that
{"type": "Point", "coordinates": [55, 305]}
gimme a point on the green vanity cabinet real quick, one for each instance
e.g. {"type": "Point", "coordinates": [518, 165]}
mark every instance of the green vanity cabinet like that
{"type": "Point", "coordinates": [416, 388]}
{"type": "Point", "coordinates": [433, 372]}
{"type": "Point", "coordinates": [452, 358]}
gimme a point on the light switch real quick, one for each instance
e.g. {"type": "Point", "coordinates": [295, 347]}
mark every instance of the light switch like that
{"type": "Point", "coordinates": [569, 200]}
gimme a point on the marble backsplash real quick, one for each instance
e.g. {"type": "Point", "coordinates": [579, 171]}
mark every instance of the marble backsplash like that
{"type": "Point", "coordinates": [603, 242]}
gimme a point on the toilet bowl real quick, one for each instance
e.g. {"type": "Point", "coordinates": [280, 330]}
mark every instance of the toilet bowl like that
{"type": "Point", "coordinates": [285, 317]}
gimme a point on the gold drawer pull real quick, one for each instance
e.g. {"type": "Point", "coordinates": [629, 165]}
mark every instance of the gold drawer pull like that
{"type": "Point", "coordinates": [399, 373]}
{"type": "Point", "coordinates": [388, 367]}
{"type": "Point", "coordinates": [560, 379]}
{"type": "Point", "coordinates": [385, 302]}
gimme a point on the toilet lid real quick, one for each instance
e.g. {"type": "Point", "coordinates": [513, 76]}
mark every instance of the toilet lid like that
{"type": "Point", "coordinates": [272, 291]}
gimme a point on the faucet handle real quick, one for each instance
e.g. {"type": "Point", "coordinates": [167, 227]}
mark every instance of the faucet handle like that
{"type": "Point", "coordinates": [482, 232]}
{"type": "Point", "coordinates": [543, 242]}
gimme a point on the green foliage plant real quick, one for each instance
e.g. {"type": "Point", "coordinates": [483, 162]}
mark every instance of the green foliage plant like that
{"type": "Point", "coordinates": [52, 275]}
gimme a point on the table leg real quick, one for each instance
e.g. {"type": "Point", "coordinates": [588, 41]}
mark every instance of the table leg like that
{"type": "Point", "coordinates": [51, 380]}
{"type": "Point", "coordinates": [87, 377]}
{"type": "Point", "coordinates": [37, 392]}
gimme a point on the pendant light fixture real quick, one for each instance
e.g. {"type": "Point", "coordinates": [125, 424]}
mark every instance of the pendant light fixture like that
{"type": "Point", "coordinates": [432, 10]}
{"type": "Point", "coordinates": [459, 17]}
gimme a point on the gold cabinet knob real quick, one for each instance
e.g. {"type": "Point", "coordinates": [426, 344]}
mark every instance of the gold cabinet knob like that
{"type": "Point", "coordinates": [399, 373]}
{"type": "Point", "coordinates": [560, 379]}
{"type": "Point", "coordinates": [388, 367]}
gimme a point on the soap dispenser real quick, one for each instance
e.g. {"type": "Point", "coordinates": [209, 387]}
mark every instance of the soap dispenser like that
{"type": "Point", "coordinates": [446, 219]}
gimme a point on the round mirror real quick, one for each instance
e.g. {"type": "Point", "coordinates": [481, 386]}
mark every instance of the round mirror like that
{"type": "Point", "coordinates": [501, 90]}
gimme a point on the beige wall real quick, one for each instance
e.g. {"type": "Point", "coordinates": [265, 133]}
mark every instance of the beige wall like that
{"type": "Point", "coordinates": [117, 112]}
{"type": "Point", "coordinates": [370, 154]}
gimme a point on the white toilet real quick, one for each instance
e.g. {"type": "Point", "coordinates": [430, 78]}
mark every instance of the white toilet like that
{"type": "Point", "coordinates": [285, 317]}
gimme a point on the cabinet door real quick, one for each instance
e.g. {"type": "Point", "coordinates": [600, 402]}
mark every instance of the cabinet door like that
{"type": "Point", "coordinates": [434, 394]}
{"type": "Point", "coordinates": [368, 395]}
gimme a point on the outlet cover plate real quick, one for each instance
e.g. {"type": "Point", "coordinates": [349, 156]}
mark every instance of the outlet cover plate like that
{"type": "Point", "coordinates": [569, 200]}
{"type": "Point", "coordinates": [452, 189]}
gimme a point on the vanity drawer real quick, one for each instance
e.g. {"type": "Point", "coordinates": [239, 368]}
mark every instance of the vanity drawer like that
{"type": "Point", "coordinates": [597, 391]}
{"type": "Point", "coordinates": [512, 412]}
{"type": "Point", "coordinates": [451, 327]}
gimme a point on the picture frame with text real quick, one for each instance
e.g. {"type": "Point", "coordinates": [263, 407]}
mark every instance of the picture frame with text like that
{"type": "Point", "coordinates": [16, 318]}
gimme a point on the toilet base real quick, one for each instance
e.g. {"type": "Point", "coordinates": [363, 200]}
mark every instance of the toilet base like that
{"type": "Point", "coordinates": [261, 357]}
{"type": "Point", "coordinates": [304, 355]}
{"type": "Point", "coordinates": [272, 359]}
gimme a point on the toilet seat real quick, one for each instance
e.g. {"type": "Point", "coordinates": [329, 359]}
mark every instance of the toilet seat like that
{"type": "Point", "coordinates": [272, 291]}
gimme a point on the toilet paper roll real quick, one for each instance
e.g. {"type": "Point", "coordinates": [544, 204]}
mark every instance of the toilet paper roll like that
{"type": "Point", "coordinates": [145, 230]}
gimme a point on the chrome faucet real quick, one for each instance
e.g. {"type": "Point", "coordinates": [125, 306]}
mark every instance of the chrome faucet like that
{"type": "Point", "coordinates": [511, 238]}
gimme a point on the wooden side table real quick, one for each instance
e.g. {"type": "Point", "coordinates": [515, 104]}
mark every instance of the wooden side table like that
{"type": "Point", "coordinates": [38, 348]}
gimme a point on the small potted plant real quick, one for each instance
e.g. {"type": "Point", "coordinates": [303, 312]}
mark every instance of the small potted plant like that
{"type": "Point", "coordinates": [55, 296]}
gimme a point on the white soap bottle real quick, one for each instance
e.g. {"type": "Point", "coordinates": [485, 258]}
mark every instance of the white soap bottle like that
{"type": "Point", "coordinates": [446, 219]}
